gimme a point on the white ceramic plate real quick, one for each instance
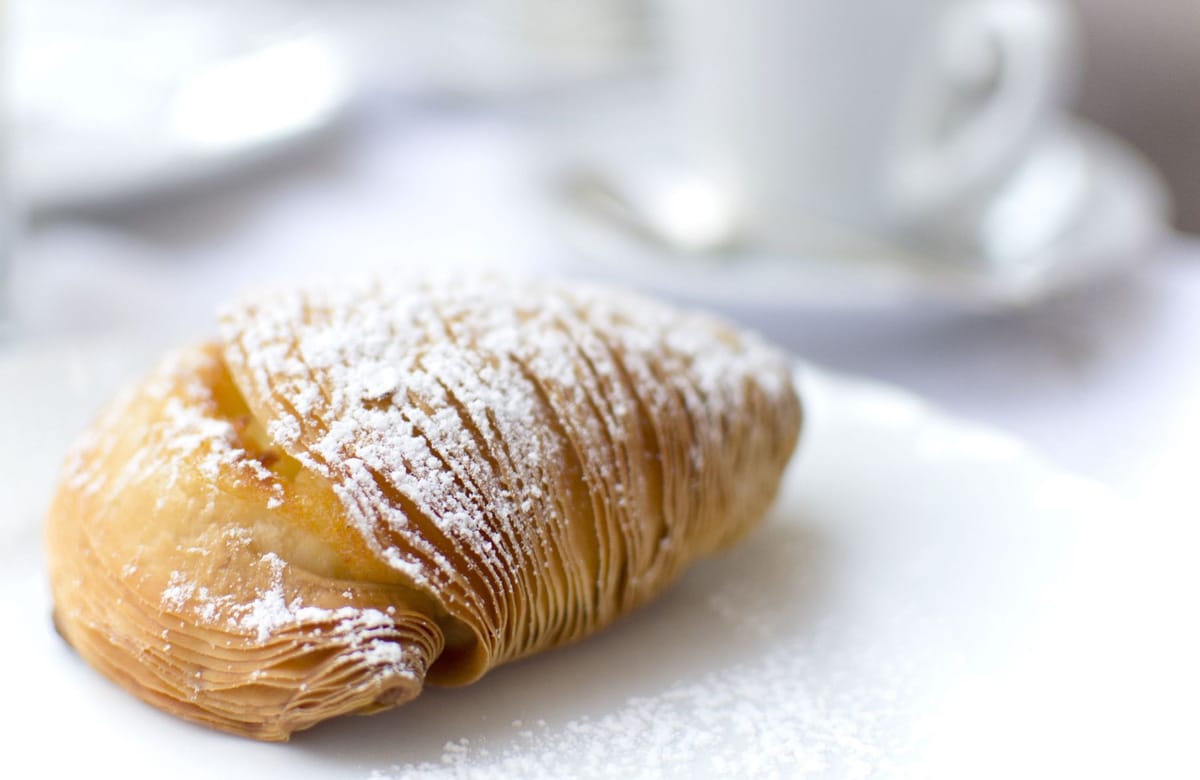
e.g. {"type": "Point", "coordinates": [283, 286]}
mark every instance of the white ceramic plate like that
{"type": "Point", "coordinates": [928, 598]}
{"type": "Point", "coordinates": [236, 83]}
{"type": "Point", "coordinates": [117, 101]}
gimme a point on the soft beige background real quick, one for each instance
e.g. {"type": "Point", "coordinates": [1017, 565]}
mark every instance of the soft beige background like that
{"type": "Point", "coordinates": [1142, 79]}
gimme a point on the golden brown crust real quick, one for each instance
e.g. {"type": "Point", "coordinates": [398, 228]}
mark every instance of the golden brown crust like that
{"type": "Point", "coordinates": [357, 490]}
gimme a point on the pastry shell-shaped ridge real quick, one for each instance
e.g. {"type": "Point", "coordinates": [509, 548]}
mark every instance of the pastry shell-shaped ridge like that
{"type": "Point", "coordinates": [361, 488]}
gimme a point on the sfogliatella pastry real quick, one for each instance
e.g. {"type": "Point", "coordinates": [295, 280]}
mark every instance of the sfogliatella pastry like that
{"type": "Point", "coordinates": [357, 490]}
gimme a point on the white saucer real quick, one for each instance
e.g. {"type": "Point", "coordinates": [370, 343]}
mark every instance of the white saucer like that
{"type": "Point", "coordinates": [1083, 206]}
{"type": "Point", "coordinates": [118, 101]}
{"type": "Point", "coordinates": [234, 83]}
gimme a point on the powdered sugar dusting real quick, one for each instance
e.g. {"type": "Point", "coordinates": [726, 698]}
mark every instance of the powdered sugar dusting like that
{"type": "Point", "coordinates": [187, 431]}
{"type": "Point", "coordinates": [443, 411]}
{"type": "Point", "coordinates": [773, 717]}
{"type": "Point", "coordinates": [178, 592]}
{"type": "Point", "coordinates": [271, 612]}
{"type": "Point", "coordinates": [780, 685]}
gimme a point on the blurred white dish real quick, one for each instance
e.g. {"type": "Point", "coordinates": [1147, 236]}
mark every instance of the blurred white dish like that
{"type": "Point", "coordinates": [117, 100]}
{"type": "Point", "coordinates": [1082, 206]}
{"type": "Point", "coordinates": [928, 599]}
{"type": "Point", "coordinates": [113, 101]}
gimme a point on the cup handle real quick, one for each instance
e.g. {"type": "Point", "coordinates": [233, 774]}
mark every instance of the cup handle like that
{"type": "Point", "coordinates": [1029, 42]}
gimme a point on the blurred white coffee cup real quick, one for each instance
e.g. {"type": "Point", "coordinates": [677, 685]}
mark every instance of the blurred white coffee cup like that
{"type": "Point", "coordinates": [825, 119]}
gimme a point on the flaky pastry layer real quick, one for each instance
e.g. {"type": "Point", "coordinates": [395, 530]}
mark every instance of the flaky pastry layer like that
{"type": "Point", "coordinates": [360, 489]}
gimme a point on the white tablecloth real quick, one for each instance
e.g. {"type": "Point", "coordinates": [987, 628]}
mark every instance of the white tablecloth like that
{"type": "Point", "coordinates": [1105, 381]}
